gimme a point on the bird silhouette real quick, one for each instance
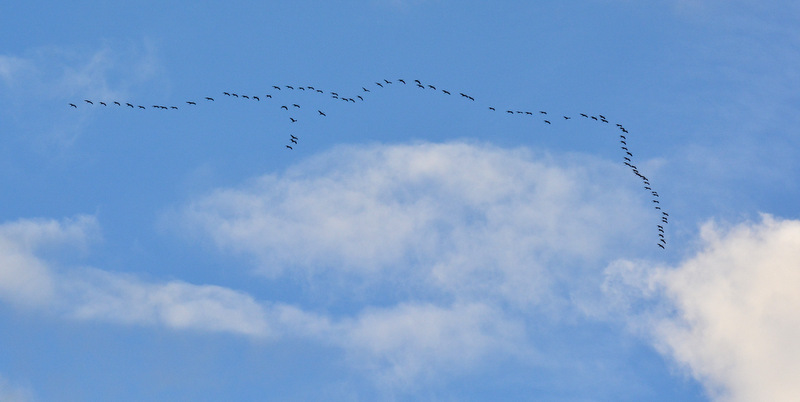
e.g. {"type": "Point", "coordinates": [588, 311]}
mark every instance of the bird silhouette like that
{"type": "Point", "coordinates": [542, 112]}
{"type": "Point", "coordinates": [292, 136]}
{"type": "Point", "coordinates": [173, 107]}
{"type": "Point", "coordinates": [431, 87]}
{"type": "Point", "coordinates": [290, 87]}
{"type": "Point", "coordinates": [547, 121]}
{"type": "Point", "coordinates": [293, 140]}
{"type": "Point", "coordinates": [103, 103]}
{"type": "Point", "coordinates": [276, 87]}
{"type": "Point", "coordinates": [421, 86]}
{"type": "Point", "coordinates": [73, 105]}
{"type": "Point", "coordinates": [387, 81]}
{"type": "Point", "coordinates": [301, 88]}
{"type": "Point", "coordinates": [88, 101]}
{"type": "Point", "coordinates": [447, 92]}
{"type": "Point", "coordinates": [359, 97]}
{"type": "Point", "coordinates": [295, 105]}
{"type": "Point", "coordinates": [289, 146]}
{"type": "Point", "coordinates": [491, 108]}
{"type": "Point", "coordinates": [191, 103]}
{"type": "Point", "coordinates": [142, 107]}
{"type": "Point", "coordinates": [226, 93]}
{"type": "Point", "coordinates": [365, 89]}
{"type": "Point", "coordinates": [209, 98]}
{"type": "Point", "coordinates": [403, 81]}
{"type": "Point", "coordinates": [660, 245]}
{"type": "Point", "coordinates": [256, 98]}
{"type": "Point", "coordinates": [284, 107]}
{"type": "Point", "coordinates": [117, 103]}
{"type": "Point", "coordinates": [320, 112]}
{"type": "Point", "coordinates": [379, 84]}
{"type": "Point", "coordinates": [235, 95]}
{"type": "Point", "coordinates": [128, 104]}
{"type": "Point", "coordinates": [245, 96]}
{"type": "Point", "coordinates": [417, 81]}
{"type": "Point", "coordinates": [584, 115]}
{"type": "Point", "coordinates": [293, 120]}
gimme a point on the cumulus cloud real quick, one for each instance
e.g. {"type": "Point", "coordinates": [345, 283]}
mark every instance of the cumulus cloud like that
{"type": "Point", "coordinates": [729, 313]}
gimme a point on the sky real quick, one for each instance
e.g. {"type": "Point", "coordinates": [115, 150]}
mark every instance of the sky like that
{"type": "Point", "coordinates": [412, 244]}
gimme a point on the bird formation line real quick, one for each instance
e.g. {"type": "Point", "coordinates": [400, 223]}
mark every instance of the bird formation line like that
{"type": "Point", "coordinates": [543, 116]}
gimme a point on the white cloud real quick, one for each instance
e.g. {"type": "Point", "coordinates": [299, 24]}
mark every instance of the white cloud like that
{"type": "Point", "coordinates": [730, 313]}
{"type": "Point", "coordinates": [412, 341]}
{"type": "Point", "coordinates": [453, 218]}
{"type": "Point", "coordinates": [451, 248]}
{"type": "Point", "coordinates": [29, 279]}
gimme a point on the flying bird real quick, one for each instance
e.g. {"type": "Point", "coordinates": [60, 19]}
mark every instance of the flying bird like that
{"type": "Point", "coordinates": [292, 136]}
{"type": "Point", "coordinates": [387, 81]}
{"type": "Point", "coordinates": [117, 103]}
{"type": "Point", "coordinates": [431, 86]}
{"type": "Point", "coordinates": [320, 112]}
{"type": "Point", "coordinates": [293, 120]}
{"type": "Point", "coordinates": [584, 115]}
{"type": "Point", "coordinates": [284, 107]}
{"type": "Point", "coordinates": [293, 141]}
{"type": "Point", "coordinates": [88, 101]}
{"type": "Point", "coordinates": [542, 112]}
{"type": "Point", "coordinates": [103, 103]}
{"type": "Point", "coordinates": [226, 93]}
{"type": "Point", "coordinates": [276, 87]}
{"type": "Point", "coordinates": [379, 84]}
{"type": "Point", "coordinates": [290, 87]}
{"type": "Point", "coordinates": [245, 96]}
{"type": "Point", "coordinates": [566, 118]}
{"type": "Point", "coordinates": [191, 103]}
{"type": "Point", "coordinates": [235, 95]}
{"type": "Point", "coordinates": [491, 108]}
{"type": "Point", "coordinates": [73, 105]}
{"type": "Point", "coordinates": [289, 146]}
{"type": "Point", "coordinates": [256, 98]}
{"type": "Point", "coordinates": [209, 98]}
{"type": "Point", "coordinates": [128, 104]}
{"type": "Point", "coordinates": [403, 81]}
{"type": "Point", "coordinates": [295, 105]}
{"type": "Point", "coordinates": [141, 107]}
{"type": "Point", "coordinates": [660, 245]}
{"type": "Point", "coordinates": [447, 92]}
{"type": "Point", "coordinates": [547, 121]}
{"type": "Point", "coordinates": [359, 97]}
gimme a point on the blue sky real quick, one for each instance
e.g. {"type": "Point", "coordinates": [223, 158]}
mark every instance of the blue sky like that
{"type": "Point", "coordinates": [412, 245]}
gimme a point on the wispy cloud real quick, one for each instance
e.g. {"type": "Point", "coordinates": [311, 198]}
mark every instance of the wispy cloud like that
{"type": "Point", "coordinates": [10, 392]}
{"type": "Point", "coordinates": [729, 313]}
{"type": "Point", "coordinates": [444, 252]}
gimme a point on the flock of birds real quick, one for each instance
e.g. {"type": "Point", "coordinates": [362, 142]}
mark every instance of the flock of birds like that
{"type": "Point", "coordinates": [291, 108]}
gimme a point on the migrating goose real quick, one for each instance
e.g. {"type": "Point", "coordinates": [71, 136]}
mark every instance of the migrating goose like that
{"type": "Point", "coordinates": [88, 101]}
{"type": "Point", "coordinates": [209, 98]}
{"type": "Point", "coordinates": [191, 103]}
{"type": "Point", "coordinates": [289, 146]}
{"type": "Point", "coordinates": [73, 105]}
